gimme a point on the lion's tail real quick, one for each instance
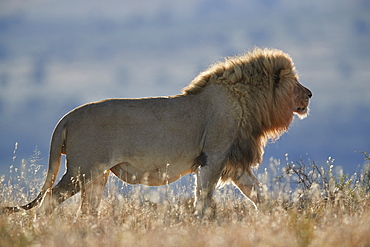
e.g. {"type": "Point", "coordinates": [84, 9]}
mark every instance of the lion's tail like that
{"type": "Point", "coordinates": [57, 147]}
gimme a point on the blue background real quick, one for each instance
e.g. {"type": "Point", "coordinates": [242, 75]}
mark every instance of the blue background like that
{"type": "Point", "coordinates": [57, 55]}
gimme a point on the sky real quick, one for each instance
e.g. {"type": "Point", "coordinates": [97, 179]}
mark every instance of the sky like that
{"type": "Point", "coordinates": [57, 55]}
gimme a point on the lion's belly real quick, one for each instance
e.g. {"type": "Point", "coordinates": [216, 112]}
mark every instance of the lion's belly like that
{"type": "Point", "coordinates": [151, 172]}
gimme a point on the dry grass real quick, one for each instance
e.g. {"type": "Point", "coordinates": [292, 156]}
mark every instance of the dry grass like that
{"type": "Point", "coordinates": [327, 210]}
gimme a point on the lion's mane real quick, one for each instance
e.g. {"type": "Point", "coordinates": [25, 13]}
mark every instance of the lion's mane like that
{"type": "Point", "coordinates": [265, 112]}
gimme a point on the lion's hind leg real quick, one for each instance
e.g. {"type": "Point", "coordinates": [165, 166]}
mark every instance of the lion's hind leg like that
{"type": "Point", "coordinates": [66, 187]}
{"type": "Point", "coordinates": [92, 194]}
{"type": "Point", "coordinates": [71, 183]}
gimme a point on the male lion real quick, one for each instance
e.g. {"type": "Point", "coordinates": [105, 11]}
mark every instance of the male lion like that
{"type": "Point", "coordinates": [217, 129]}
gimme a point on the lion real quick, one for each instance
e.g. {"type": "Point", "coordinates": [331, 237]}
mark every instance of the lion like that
{"type": "Point", "coordinates": [217, 128]}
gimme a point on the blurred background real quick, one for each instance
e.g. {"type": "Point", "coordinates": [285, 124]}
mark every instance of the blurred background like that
{"type": "Point", "coordinates": [57, 55]}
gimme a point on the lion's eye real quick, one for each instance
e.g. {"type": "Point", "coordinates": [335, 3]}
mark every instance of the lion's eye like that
{"type": "Point", "coordinates": [276, 77]}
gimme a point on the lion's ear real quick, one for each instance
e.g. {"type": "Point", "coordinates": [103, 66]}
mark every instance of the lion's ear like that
{"type": "Point", "coordinates": [276, 76]}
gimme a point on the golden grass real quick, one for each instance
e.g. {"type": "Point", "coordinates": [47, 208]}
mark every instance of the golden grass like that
{"type": "Point", "coordinates": [284, 219]}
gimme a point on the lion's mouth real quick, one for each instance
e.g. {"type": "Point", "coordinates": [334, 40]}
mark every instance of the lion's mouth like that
{"type": "Point", "coordinates": [301, 111]}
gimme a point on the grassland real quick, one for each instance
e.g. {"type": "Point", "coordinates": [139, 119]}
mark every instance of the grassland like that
{"type": "Point", "coordinates": [305, 204]}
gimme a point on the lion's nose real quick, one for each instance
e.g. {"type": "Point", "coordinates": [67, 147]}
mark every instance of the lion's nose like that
{"type": "Point", "coordinates": [309, 93]}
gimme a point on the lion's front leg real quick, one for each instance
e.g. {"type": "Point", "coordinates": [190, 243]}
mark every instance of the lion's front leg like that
{"type": "Point", "coordinates": [206, 180]}
{"type": "Point", "coordinates": [250, 186]}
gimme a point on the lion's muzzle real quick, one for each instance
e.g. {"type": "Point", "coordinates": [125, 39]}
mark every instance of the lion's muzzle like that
{"type": "Point", "coordinates": [302, 100]}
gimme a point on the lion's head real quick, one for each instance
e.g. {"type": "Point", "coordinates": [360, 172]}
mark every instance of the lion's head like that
{"type": "Point", "coordinates": [289, 96]}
